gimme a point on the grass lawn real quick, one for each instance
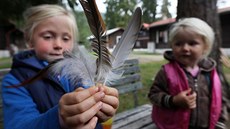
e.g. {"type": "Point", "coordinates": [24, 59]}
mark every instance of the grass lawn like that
{"type": "Point", "coordinates": [5, 62]}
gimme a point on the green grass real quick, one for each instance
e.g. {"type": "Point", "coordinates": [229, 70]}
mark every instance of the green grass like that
{"type": "Point", "coordinates": [5, 62]}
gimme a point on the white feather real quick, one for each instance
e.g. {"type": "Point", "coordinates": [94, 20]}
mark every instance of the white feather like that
{"type": "Point", "coordinates": [76, 68]}
{"type": "Point", "coordinates": [124, 47]}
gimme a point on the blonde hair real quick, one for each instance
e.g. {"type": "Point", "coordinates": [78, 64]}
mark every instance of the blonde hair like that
{"type": "Point", "coordinates": [35, 15]}
{"type": "Point", "coordinates": [197, 26]}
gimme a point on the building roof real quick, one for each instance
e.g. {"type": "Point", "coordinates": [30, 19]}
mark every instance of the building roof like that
{"type": "Point", "coordinates": [162, 22]}
{"type": "Point", "coordinates": [172, 20]}
{"type": "Point", "coordinates": [108, 32]}
{"type": "Point", "coordinates": [145, 25]}
{"type": "Point", "coordinates": [224, 10]}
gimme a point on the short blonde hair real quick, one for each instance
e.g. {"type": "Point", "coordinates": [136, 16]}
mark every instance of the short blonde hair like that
{"type": "Point", "coordinates": [35, 15]}
{"type": "Point", "coordinates": [197, 26]}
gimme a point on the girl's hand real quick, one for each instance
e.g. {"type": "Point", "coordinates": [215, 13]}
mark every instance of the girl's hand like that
{"type": "Point", "coordinates": [78, 109]}
{"type": "Point", "coordinates": [110, 103]}
{"type": "Point", "coordinates": [185, 99]}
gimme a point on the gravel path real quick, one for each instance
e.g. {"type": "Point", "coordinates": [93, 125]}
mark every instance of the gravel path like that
{"type": "Point", "coordinates": [147, 58]}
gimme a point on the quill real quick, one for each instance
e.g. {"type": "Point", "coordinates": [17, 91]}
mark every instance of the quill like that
{"type": "Point", "coordinates": [98, 29]}
{"type": "Point", "coordinates": [124, 47]}
{"type": "Point", "coordinates": [105, 73]}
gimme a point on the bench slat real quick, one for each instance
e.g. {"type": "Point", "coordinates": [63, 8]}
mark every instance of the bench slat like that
{"type": "Point", "coordinates": [131, 112]}
{"type": "Point", "coordinates": [129, 87]}
{"type": "Point", "coordinates": [129, 70]}
{"type": "Point", "coordinates": [3, 72]}
{"type": "Point", "coordinates": [136, 118]}
{"type": "Point", "coordinates": [130, 80]}
{"type": "Point", "coordinates": [126, 80]}
{"type": "Point", "coordinates": [131, 62]}
{"type": "Point", "coordinates": [131, 119]}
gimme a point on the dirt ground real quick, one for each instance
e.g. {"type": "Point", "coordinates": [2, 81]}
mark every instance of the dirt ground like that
{"type": "Point", "coordinates": [146, 58]}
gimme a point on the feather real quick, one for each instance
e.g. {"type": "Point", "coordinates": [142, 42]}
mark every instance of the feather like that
{"type": "Point", "coordinates": [75, 68]}
{"type": "Point", "coordinates": [124, 47]}
{"type": "Point", "coordinates": [98, 29]}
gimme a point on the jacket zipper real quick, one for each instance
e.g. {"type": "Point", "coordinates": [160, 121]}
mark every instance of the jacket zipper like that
{"type": "Point", "coordinates": [196, 90]}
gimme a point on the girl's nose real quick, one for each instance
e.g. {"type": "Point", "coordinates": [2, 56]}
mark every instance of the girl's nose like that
{"type": "Point", "coordinates": [185, 47]}
{"type": "Point", "coordinates": [58, 44]}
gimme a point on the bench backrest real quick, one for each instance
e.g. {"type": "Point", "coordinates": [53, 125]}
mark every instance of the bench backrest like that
{"type": "Point", "coordinates": [130, 80]}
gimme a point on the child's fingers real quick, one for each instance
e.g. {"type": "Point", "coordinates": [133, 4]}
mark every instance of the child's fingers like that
{"type": "Point", "coordinates": [92, 123]}
{"type": "Point", "coordinates": [84, 117]}
{"type": "Point", "coordinates": [108, 109]}
{"type": "Point", "coordinates": [110, 90]}
{"type": "Point", "coordinates": [77, 108]}
{"type": "Point", "coordinates": [111, 100]}
{"type": "Point", "coordinates": [102, 116]}
{"type": "Point", "coordinates": [192, 105]}
{"type": "Point", "coordinates": [78, 95]}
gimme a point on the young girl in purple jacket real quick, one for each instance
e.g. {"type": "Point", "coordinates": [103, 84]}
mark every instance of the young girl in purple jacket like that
{"type": "Point", "coordinates": [186, 92]}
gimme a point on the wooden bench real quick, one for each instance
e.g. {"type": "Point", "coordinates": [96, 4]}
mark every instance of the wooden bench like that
{"type": "Point", "coordinates": [136, 118]}
{"type": "Point", "coordinates": [140, 116]}
{"type": "Point", "coordinates": [130, 80]}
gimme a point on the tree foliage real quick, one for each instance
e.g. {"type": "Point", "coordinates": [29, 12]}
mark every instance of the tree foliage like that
{"type": "Point", "coordinates": [164, 9]}
{"type": "Point", "coordinates": [13, 9]}
{"type": "Point", "coordinates": [149, 10]}
{"type": "Point", "coordinates": [83, 27]}
{"type": "Point", "coordinates": [119, 12]}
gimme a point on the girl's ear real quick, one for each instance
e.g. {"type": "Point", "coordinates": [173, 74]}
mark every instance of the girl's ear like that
{"type": "Point", "coordinates": [206, 49]}
{"type": "Point", "coordinates": [30, 44]}
{"type": "Point", "coordinates": [28, 41]}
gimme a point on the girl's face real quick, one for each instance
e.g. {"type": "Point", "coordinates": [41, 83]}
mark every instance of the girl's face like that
{"type": "Point", "coordinates": [188, 48]}
{"type": "Point", "coordinates": [51, 38]}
